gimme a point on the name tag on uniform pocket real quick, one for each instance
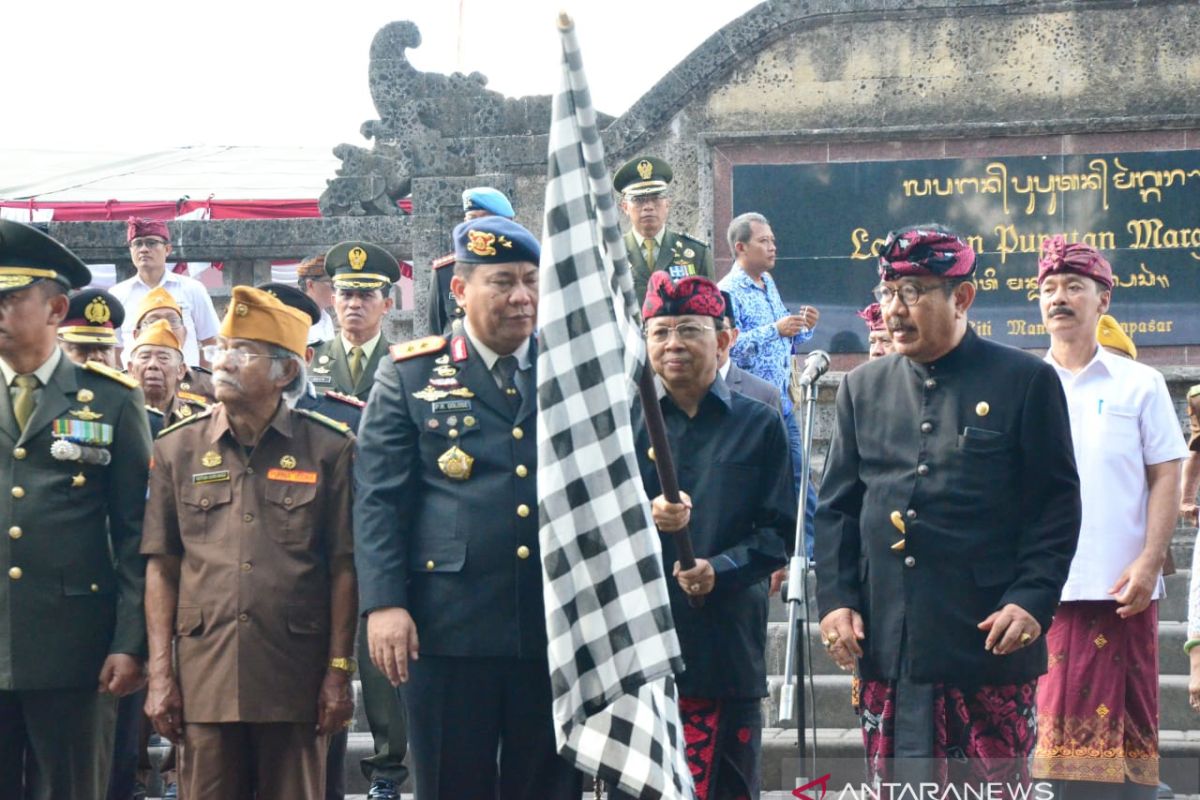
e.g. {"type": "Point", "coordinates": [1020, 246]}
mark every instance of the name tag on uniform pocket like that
{"type": "Point", "coordinates": [211, 477]}
{"type": "Point", "coordinates": [292, 475]}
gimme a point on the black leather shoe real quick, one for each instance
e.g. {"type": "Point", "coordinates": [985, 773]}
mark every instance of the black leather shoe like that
{"type": "Point", "coordinates": [383, 789]}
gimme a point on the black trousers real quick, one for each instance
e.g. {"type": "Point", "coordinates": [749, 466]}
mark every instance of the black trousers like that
{"type": "Point", "coordinates": [481, 728]}
{"type": "Point", "coordinates": [55, 744]}
{"type": "Point", "coordinates": [126, 746]}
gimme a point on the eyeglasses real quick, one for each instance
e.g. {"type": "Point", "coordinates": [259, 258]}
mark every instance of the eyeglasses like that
{"type": "Point", "coordinates": [687, 332]}
{"type": "Point", "coordinates": [909, 293]}
{"type": "Point", "coordinates": [137, 244]}
{"type": "Point", "coordinates": [241, 358]}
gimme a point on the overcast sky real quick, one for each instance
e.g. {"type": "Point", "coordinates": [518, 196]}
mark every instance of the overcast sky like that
{"type": "Point", "coordinates": [141, 76]}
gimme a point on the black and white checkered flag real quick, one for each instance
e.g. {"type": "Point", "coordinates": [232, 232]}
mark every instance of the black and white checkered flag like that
{"type": "Point", "coordinates": [612, 643]}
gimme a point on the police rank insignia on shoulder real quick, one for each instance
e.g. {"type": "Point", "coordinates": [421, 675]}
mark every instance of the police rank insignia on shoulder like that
{"type": "Point", "coordinates": [345, 398]}
{"type": "Point", "coordinates": [110, 373]}
{"type": "Point", "coordinates": [417, 347]}
{"type": "Point", "coordinates": [328, 422]}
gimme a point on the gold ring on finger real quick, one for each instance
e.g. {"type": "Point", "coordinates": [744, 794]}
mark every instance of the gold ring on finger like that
{"type": "Point", "coordinates": [833, 637]}
{"type": "Point", "coordinates": [1026, 638]}
{"type": "Point", "coordinates": [695, 587]}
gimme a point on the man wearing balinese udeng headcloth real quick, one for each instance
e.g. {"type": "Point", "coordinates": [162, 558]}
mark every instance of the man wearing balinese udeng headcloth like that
{"type": "Point", "coordinates": [948, 516]}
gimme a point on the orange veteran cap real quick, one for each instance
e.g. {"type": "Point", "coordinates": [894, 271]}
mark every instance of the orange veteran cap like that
{"type": "Point", "coordinates": [258, 315]}
{"type": "Point", "coordinates": [158, 333]}
{"type": "Point", "coordinates": [157, 298]}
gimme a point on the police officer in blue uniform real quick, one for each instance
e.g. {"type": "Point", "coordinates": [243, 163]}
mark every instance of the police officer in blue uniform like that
{"type": "Point", "coordinates": [446, 534]}
{"type": "Point", "coordinates": [444, 311]}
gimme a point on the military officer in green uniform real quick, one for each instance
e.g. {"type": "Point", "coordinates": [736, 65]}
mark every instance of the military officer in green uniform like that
{"type": "Point", "coordinates": [643, 182]}
{"type": "Point", "coordinates": [73, 481]}
{"type": "Point", "coordinates": [363, 274]}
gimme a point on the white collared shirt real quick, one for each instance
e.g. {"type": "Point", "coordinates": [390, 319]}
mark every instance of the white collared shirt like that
{"type": "Point", "coordinates": [322, 331]}
{"type": "Point", "coordinates": [1122, 420]}
{"type": "Point", "coordinates": [199, 315]}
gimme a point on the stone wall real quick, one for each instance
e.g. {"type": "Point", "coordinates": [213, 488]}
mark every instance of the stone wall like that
{"type": "Point", "coordinates": [843, 79]}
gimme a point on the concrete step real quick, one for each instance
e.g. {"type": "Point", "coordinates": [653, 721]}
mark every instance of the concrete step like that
{"type": "Point", "coordinates": [1171, 658]}
{"type": "Point", "coordinates": [833, 708]}
{"type": "Point", "coordinates": [1172, 608]}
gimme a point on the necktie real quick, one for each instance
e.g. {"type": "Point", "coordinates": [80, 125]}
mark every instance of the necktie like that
{"type": "Point", "coordinates": [356, 363]}
{"type": "Point", "coordinates": [505, 369]}
{"type": "Point", "coordinates": [23, 403]}
{"type": "Point", "coordinates": [648, 246]}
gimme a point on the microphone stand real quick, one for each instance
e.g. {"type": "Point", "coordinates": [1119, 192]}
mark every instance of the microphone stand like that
{"type": "Point", "coordinates": [790, 701]}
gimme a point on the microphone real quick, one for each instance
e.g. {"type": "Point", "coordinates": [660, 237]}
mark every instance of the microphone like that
{"type": "Point", "coordinates": [64, 450]}
{"type": "Point", "coordinates": [816, 365]}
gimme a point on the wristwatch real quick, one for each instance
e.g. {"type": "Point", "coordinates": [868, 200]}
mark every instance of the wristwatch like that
{"type": "Point", "coordinates": [346, 665]}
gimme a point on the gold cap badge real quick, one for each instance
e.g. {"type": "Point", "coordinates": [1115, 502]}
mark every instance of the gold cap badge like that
{"type": "Point", "coordinates": [645, 169]}
{"type": "Point", "coordinates": [357, 258]}
{"type": "Point", "coordinates": [97, 312]}
{"type": "Point", "coordinates": [241, 309]}
{"type": "Point", "coordinates": [481, 243]}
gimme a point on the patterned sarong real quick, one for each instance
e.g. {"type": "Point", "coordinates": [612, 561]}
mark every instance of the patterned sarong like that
{"type": "Point", "coordinates": [1098, 704]}
{"type": "Point", "coordinates": [980, 735]}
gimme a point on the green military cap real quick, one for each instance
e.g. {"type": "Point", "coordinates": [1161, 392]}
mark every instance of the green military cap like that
{"type": "Point", "coordinates": [643, 175]}
{"type": "Point", "coordinates": [361, 265]}
{"type": "Point", "coordinates": [28, 255]}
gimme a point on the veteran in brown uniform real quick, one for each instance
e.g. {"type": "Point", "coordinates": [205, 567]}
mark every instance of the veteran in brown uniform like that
{"type": "Point", "coordinates": [251, 572]}
{"type": "Point", "coordinates": [73, 455]}
{"type": "Point", "coordinates": [196, 385]}
{"type": "Point", "coordinates": [156, 363]}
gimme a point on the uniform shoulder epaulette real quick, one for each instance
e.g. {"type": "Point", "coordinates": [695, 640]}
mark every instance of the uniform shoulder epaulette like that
{"type": "Point", "coordinates": [154, 411]}
{"type": "Point", "coordinates": [345, 398]}
{"type": "Point", "coordinates": [691, 238]}
{"type": "Point", "coordinates": [417, 347]}
{"type": "Point", "coordinates": [193, 398]}
{"type": "Point", "coordinates": [445, 260]}
{"type": "Point", "coordinates": [328, 422]}
{"type": "Point", "coordinates": [1194, 391]}
{"type": "Point", "coordinates": [185, 421]}
{"type": "Point", "coordinates": [111, 374]}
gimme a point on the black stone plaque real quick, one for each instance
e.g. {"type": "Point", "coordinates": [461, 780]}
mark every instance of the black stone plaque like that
{"type": "Point", "coordinates": [1142, 210]}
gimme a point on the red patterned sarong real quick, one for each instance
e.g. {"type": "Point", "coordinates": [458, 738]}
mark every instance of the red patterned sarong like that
{"type": "Point", "coordinates": [981, 735]}
{"type": "Point", "coordinates": [1098, 704]}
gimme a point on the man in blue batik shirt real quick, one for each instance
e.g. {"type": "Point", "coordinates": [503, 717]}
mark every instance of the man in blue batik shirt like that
{"type": "Point", "coordinates": [766, 328]}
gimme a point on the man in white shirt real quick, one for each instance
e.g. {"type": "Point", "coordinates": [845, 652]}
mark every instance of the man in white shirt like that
{"type": "Point", "coordinates": [312, 280]}
{"type": "Point", "coordinates": [149, 247]}
{"type": "Point", "coordinates": [1098, 704]}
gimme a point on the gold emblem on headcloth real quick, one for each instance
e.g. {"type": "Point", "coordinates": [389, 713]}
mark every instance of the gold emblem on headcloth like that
{"type": "Point", "coordinates": [241, 309]}
{"type": "Point", "coordinates": [481, 243]}
{"type": "Point", "coordinates": [645, 169]}
{"type": "Point", "coordinates": [357, 257]}
{"type": "Point", "coordinates": [455, 464]}
{"type": "Point", "coordinates": [97, 312]}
